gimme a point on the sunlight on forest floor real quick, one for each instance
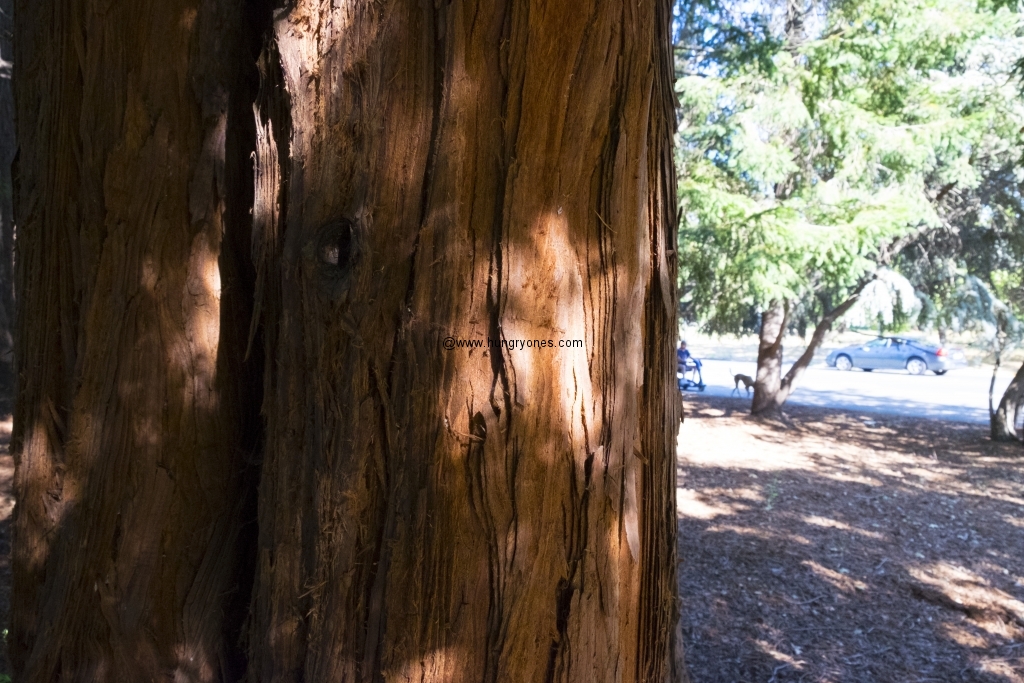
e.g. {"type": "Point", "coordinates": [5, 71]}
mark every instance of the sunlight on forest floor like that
{"type": "Point", "coordinates": [831, 546]}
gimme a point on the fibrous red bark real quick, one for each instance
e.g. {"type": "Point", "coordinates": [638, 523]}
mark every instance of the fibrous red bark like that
{"type": "Point", "coordinates": [475, 170]}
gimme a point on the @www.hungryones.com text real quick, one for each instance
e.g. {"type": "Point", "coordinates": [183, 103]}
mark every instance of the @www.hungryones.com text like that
{"type": "Point", "coordinates": [450, 343]}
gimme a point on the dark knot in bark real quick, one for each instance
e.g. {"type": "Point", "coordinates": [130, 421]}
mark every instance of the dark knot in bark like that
{"type": "Point", "coordinates": [334, 249]}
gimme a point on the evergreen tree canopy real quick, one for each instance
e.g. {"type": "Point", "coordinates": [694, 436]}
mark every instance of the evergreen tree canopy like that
{"type": "Point", "coordinates": [809, 160]}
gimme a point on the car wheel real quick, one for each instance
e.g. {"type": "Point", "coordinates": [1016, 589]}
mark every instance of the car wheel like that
{"type": "Point", "coordinates": [843, 363]}
{"type": "Point", "coordinates": [916, 366]}
{"type": "Point", "coordinates": [940, 372]}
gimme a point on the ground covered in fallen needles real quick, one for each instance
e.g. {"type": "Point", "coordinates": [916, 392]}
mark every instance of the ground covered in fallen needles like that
{"type": "Point", "coordinates": [828, 546]}
{"type": "Point", "coordinates": [835, 546]}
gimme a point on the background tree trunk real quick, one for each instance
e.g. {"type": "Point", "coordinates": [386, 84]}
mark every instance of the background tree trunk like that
{"type": "Point", "coordinates": [769, 358]}
{"type": "Point", "coordinates": [775, 388]}
{"type": "Point", "coordinates": [135, 417]}
{"type": "Point", "coordinates": [1001, 421]}
{"type": "Point", "coordinates": [493, 171]}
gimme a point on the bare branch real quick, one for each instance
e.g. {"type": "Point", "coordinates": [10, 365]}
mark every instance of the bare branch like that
{"type": "Point", "coordinates": [820, 331]}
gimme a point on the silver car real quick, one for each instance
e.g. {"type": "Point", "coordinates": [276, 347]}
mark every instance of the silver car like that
{"type": "Point", "coordinates": [897, 353]}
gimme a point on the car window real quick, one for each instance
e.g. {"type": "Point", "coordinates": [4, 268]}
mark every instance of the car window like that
{"type": "Point", "coordinates": [877, 343]}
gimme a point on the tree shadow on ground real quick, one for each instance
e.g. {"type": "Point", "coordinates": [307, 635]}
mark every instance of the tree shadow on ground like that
{"type": "Point", "coordinates": [836, 547]}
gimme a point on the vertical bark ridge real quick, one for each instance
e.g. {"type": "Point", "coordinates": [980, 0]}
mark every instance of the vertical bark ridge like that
{"type": "Point", "coordinates": [660, 659]}
{"type": "Point", "coordinates": [47, 355]}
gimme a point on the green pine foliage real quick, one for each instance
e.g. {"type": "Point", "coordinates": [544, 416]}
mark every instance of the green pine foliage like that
{"type": "Point", "coordinates": [808, 161]}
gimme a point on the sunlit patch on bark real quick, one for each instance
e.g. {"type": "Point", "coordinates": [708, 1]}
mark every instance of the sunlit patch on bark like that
{"type": "Point", "coordinates": [201, 309]}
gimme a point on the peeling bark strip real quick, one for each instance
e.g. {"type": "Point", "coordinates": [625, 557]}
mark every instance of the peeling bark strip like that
{"type": "Point", "coordinates": [134, 414]}
{"type": "Point", "coordinates": [491, 169]}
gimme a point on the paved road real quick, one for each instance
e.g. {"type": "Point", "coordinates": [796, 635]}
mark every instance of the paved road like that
{"type": "Point", "coordinates": [960, 395]}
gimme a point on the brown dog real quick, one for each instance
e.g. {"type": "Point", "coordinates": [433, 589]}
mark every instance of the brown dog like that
{"type": "Point", "coordinates": [748, 383]}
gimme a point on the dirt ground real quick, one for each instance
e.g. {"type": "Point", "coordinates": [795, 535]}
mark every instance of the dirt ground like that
{"type": "Point", "coordinates": [828, 546]}
{"type": "Point", "coordinates": [833, 546]}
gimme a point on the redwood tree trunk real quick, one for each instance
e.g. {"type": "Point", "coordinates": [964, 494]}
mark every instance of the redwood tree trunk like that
{"type": "Point", "coordinates": [768, 383]}
{"type": "Point", "coordinates": [1002, 422]}
{"type": "Point", "coordinates": [483, 170]}
{"type": "Point", "coordinates": [489, 171]}
{"type": "Point", "coordinates": [134, 418]}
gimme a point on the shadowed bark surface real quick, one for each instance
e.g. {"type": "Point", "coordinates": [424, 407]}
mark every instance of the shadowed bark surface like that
{"type": "Point", "coordinates": [133, 423]}
{"type": "Point", "coordinates": [8, 148]}
{"type": "Point", "coordinates": [483, 171]}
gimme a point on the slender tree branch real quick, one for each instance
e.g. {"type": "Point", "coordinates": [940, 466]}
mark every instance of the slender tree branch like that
{"type": "Point", "coordinates": [785, 323]}
{"type": "Point", "coordinates": [820, 331]}
{"type": "Point", "coordinates": [944, 191]}
{"type": "Point", "coordinates": [886, 254]}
